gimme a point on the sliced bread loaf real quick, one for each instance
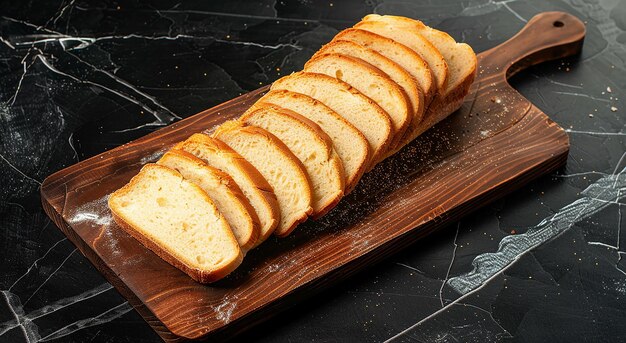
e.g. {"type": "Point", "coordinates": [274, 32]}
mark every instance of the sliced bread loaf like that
{"type": "Point", "coordinates": [371, 82]}
{"type": "Point", "coordinates": [412, 39]}
{"type": "Point", "coordinates": [348, 141]}
{"type": "Point", "coordinates": [178, 221]}
{"type": "Point", "coordinates": [224, 192]}
{"type": "Point", "coordinates": [390, 68]}
{"type": "Point", "coordinates": [278, 165]}
{"type": "Point", "coordinates": [311, 145]}
{"type": "Point", "coordinates": [253, 185]}
{"type": "Point", "coordinates": [352, 105]}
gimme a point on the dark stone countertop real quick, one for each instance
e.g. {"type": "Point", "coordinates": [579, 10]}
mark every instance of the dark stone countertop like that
{"type": "Point", "coordinates": [81, 77]}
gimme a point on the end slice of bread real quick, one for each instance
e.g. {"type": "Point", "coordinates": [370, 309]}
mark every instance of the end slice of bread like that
{"type": "Point", "coordinates": [278, 165]}
{"type": "Point", "coordinates": [349, 143]}
{"type": "Point", "coordinates": [352, 105]}
{"type": "Point", "coordinates": [224, 192]}
{"type": "Point", "coordinates": [253, 185]}
{"type": "Point", "coordinates": [178, 221]}
{"type": "Point", "coordinates": [371, 82]}
{"type": "Point", "coordinates": [311, 145]}
{"type": "Point", "coordinates": [414, 40]}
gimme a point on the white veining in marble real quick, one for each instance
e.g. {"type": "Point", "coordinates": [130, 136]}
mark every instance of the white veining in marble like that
{"type": "Point", "coordinates": [599, 195]}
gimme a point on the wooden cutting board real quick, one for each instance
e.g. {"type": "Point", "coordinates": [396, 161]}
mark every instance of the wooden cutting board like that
{"type": "Point", "coordinates": [497, 142]}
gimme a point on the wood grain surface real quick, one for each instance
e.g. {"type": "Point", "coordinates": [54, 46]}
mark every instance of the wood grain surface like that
{"type": "Point", "coordinates": [497, 142]}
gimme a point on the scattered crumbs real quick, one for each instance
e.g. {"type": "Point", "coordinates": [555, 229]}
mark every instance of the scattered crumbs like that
{"type": "Point", "coordinates": [608, 89]}
{"type": "Point", "coordinates": [224, 311]}
{"type": "Point", "coordinates": [613, 109]}
{"type": "Point", "coordinates": [590, 115]}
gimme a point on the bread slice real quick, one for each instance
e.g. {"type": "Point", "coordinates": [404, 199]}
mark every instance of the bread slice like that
{"type": "Point", "coordinates": [312, 147]}
{"type": "Point", "coordinates": [178, 221]}
{"type": "Point", "coordinates": [405, 57]}
{"type": "Point", "coordinates": [411, 38]}
{"type": "Point", "coordinates": [352, 105]}
{"type": "Point", "coordinates": [224, 192]}
{"type": "Point", "coordinates": [349, 143]}
{"type": "Point", "coordinates": [390, 68]}
{"type": "Point", "coordinates": [460, 59]}
{"type": "Point", "coordinates": [278, 165]}
{"type": "Point", "coordinates": [253, 185]}
{"type": "Point", "coordinates": [370, 81]}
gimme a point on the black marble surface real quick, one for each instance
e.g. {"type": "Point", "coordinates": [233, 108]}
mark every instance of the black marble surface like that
{"type": "Point", "coordinates": [81, 77]}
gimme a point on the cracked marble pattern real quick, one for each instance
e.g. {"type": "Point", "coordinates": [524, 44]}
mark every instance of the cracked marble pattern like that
{"type": "Point", "coordinates": [543, 264]}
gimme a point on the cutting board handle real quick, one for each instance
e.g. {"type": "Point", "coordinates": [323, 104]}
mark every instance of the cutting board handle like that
{"type": "Point", "coordinates": [547, 36]}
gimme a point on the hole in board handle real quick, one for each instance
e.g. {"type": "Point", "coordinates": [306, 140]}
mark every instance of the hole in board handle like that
{"type": "Point", "coordinates": [558, 23]}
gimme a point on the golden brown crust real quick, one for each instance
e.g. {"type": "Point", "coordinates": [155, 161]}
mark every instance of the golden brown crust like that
{"type": "Point", "coordinates": [202, 276]}
{"type": "Point", "coordinates": [239, 200]}
{"type": "Point", "coordinates": [264, 188]}
{"type": "Point", "coordinates": [275, 97]}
